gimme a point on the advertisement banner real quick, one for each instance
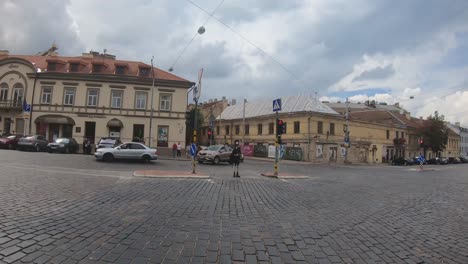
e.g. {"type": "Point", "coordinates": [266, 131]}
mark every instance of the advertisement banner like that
{"type": "Point", "coordinates": [248, 150]}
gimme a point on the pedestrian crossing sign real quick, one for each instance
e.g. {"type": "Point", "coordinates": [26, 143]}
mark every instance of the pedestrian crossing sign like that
{"type": "Point", "coordinates": [277, 105]}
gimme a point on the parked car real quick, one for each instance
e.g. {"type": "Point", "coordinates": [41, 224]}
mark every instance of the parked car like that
{"type": "Point", "coordinates": [63, 145]}
{"type": "Point", "coordinates": [216, 154]}
{"type": "Point", "coordinates": [402, 161]}
{"type": "Point", "coordinates": [130, 151]}
{"type": "Point", "coordinates": [463, 159]}
{"type": "Point", "coordinates": [453, 160]}
{"type": "Point", "coordinates": [10, 142]}
{"type": "Point", "coordinates": [443, 161]}
{"type": "Point", "coordinates": [32, 142]}
{"type": "Point", "coordinates": [108, 142]}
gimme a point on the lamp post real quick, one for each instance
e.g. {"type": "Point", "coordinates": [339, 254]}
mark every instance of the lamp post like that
{"type": "Point", "coordinates": [152, 110]}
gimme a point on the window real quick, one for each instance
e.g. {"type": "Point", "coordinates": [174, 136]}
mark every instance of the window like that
{"type": "Point", "coordinates": [69, 97]}
{"type": "Point", "coordinates": [138, 132]}
{"type": "Point", "coordinates": [227, 130]}
{"type": "Point", "coordinates": [396, 134]}
{"type": "Point", "coordinates": [332, 128]}
{"type": "Point", "coordinates": [51, 66]}
{"type": "Point", "coordinates": [260, 129]}
{"type": "Point", "coordinates": [93, 95]}
{"type": "Point", "coordinates": [165, 102]}
{"type": "Point", "coordinates": [140, 100]}
{"type": "Point", "coordinates": [403, 134]}
{"type": "Point", "coordinates": [74, 67]}
{"type": "Point", "coordinates": [237, 129]}
{"type": "Point", "coordinates": [120, 69]}
{"type": "Point", "coordinates": [217, 130]}
{"type": "Point", "coordinates": [388, 134]}
{"type": "Point", "coordinates": [46, 95]}
{"type": "Point", "coordinates": [320, 127]}
{"type": "Point", "coordinates": [144, 72]}
{"type": "Point", "coordinates": [116, 98]}
{"type": "Point", "coordinates": [3, 92]}
{"type": "Point", "coordinates": [136, 146]}
{"type": "Point", "coordinates": [247, 129]}
{"type": "Point", "coordinates": [271, 128]}
{"type": "Point", "coordinates": [297, 127]}
{"type": "Point", "coordinates": [18, 94]}
{"type": "Point", "coordinates": [163, 136]}
{"type": "Point", "coordinates": [97, 67]}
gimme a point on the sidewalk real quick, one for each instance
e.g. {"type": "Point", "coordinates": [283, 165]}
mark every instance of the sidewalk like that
{"type": "Point", "coordinates": [313, 163]}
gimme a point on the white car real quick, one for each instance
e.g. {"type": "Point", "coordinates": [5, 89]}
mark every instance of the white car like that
{"type": "Point", "coordinates": [132, 150]}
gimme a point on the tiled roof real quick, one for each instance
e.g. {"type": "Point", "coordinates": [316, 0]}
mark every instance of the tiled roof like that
{"type": "Point", "coordinates": [376, 116]}
{"type": "Point", "coordinates": [290, 104]}
{"type": "Point", "coordinates": [86, 65]}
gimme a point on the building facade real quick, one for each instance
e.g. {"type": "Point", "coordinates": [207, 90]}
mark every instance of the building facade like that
{"type": "Point", "coordinates": [91, 96]}
{"type": "Point", "coordinates": [464, 141]}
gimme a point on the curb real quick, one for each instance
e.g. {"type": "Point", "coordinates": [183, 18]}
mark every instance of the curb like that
{"type": "Point", "coordinates": [169, 174]}
{"type": "Point", "coordinates": [284, 176]}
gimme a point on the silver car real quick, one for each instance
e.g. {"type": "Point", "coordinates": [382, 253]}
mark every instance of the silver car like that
{"type": "Point", "coordinates": [133, 150]}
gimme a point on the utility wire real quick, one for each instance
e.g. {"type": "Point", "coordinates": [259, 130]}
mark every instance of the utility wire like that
{"type": "Point", "coordinates": [247, 40]}
{"type": "Point", "coordinates": [196, 34]}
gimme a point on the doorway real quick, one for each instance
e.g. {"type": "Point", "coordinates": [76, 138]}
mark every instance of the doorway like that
{"type": "Point", "coordinates": [19, 126]}
{"type": "Point", "coordinates": [90, 131]}
{"type": "Point", "coordinates": [7, 125]}
{"type": "Point", "coordinates": [138, 133]}
{"type": "Point", "coordinates": [54, 131]}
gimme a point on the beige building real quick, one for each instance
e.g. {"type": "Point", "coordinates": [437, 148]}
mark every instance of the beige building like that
{"type": "Point", "coordinates": [314, 128]}
{"type": "Point", "coordinates": [91, 96]}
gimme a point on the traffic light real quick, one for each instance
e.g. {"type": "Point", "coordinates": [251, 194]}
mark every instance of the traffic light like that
{"type": "Point", "coordinates": [421, 142]}
{"type": "Point", "coordinates": [280, 127]}
{"type": "Point", "coordinates": [209, 132]}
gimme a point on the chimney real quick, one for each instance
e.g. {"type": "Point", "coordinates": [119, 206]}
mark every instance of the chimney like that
{"type": "Point", "coordinates": [87, 55]}
{"type": "Point", "coordinates": [408, 115]}
{"type": "Point", "coordinates": [233, 102]}
{"type": "Point", "coordinates": [457, 124]}
{"type": "Point", "coordinates": [210, 100]}
{"type": "Point", "coordinates": [397, 105]}
{"type": "Point", "coordinates": [4, 53]}
{"type": "Point", "coordinates": [421, 117]}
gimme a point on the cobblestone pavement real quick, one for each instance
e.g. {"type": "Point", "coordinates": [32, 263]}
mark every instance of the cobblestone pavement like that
{"type": "Point", "coordinates": [77, 212]}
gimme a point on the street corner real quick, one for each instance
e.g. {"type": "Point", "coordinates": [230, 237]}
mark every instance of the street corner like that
{"type": "Point", "coordinates": [284, 175]}
{"type": "Point", "coordinates": [170, 174]}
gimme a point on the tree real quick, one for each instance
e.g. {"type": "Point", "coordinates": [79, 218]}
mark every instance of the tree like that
{"type": "Point", "coordinates": [190, 117]}
{"type": "Point", "coordinates": [434, 133]}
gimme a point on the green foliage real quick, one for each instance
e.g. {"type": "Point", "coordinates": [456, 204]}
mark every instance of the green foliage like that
{"type": "Point", "coordinates": [434, 132]}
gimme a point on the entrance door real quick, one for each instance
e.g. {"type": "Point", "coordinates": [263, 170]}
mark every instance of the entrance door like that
{"type": "Point", "coordinates": [90, 131]}
{"type": "Point", "coordinates": [19, 129]}
{"type": "Point", "coordinates": [54, 130]}
{"type": "Point", "coordinates": [138, 133]}
{"type": "Point", "coordinates": [7, 125]}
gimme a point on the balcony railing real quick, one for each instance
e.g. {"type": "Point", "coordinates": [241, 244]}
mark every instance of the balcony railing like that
{"type": "Point", "coordinates": [11, 105]}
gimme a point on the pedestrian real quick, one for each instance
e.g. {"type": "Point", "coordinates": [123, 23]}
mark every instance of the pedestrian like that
{"type": "Point", "coordinates": [174, 150]}
{"type": "Point", "coordinates": [85, 141]}
{"type": "Point", "coordinates": [235, 158]}
{"type": "Point", "coordinates": [179, 148]}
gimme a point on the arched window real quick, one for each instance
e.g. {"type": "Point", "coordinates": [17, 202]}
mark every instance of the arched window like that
{"type": "Point", "coordinates": [3, 92]}
{"type": "Point", "coordinates": [18, 94]}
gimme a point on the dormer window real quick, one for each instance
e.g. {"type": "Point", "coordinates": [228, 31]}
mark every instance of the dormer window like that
{"type": "Point", "coordinates": [51, 66]}
{"type": "Point", "coordinates": [74, 67]}
{"type": "Point", "coordinates": [144, 72]}
{"type": "Point", "coordinates": [120, 69]}
{"type": "Point", "coordinates": [97, 68]}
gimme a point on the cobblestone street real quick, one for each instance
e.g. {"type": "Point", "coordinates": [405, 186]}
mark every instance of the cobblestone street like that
{"type": "Point", "coordinates": [85, 212]}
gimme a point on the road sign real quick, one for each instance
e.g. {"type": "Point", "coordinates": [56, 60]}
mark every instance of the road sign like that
{"type": "Point", "coordinates": [193, 149]}
{"type": "Point", "coordinates": [281, 150]}
{"type": "Point", "coordinates": [196, 93]}
{"type": "Point", "coordinates": [27, 108]}
{"type": "Point", "coordinates": [277, 105]}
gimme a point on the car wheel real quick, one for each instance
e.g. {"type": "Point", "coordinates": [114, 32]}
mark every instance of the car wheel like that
{"type": "Point", "coordinates": [108, 157]}
{"type": "Point", "coordinates": [216, 160]}
{"type": "Point", "coordinates": [38, 148]}
{"type": "Point", "coordinates": [146, 158]}
{"type": "Point", "coordinates": [49, 150]}
{"type": "Point", "coordinates": [11, 147]}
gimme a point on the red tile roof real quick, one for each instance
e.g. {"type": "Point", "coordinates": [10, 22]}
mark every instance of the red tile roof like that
{"type": "Point", "coordinates": [380, 117]}
{"type": "Point", "coordinates": [109, 65]}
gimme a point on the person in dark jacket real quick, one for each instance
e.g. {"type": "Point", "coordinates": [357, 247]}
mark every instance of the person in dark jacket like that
{"type": "Point", "coordinates": [235, 158]}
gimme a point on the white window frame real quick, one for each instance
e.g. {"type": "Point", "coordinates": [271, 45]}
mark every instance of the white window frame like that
{"type": "Point", "coordinates": [46, 97]}
{"type": "Point", "coordinates": [116, 98]}
{"type": "Point", "coordinates": [165, 105]}
{"type": "Point", "coordinates": [18, 92]}
{"type": "Point", "coordinates": [138, 102]}
{"type": "Point", "coordinates": [4, 92]}
{"type": "Point", "coordinates": [95, 97]}
{"type": "Point", "coordinates": [69, 93]}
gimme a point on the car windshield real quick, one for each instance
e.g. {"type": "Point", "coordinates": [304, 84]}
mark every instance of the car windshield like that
{"type": "Point", "coordinates": [213, 148]}
{"type": "Point", "coordinates": [107, 141]}
{"type": "Point", "coordinates": [62, 140]}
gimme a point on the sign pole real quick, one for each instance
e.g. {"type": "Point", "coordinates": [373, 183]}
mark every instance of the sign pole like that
{"type": "Point", "coordinates": [276, 145]}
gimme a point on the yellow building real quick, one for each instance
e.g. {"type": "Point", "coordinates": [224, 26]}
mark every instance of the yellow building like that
{"type": "Point", "coordinates": [91, 96]}
{"type": "Point", "coordinates": [314, 128]}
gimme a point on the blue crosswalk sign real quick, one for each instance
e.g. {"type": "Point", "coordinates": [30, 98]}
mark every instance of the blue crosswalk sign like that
{"type": "Point", "coordinates": [277, 105]}
{"type": "Point", "coordinates": [193, 149]}
{"type": "Point", "coordinates": [27, 108]}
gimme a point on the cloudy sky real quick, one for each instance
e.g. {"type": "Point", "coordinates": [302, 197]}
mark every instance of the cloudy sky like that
{"type": "Point", "coordinates": [362, 49]}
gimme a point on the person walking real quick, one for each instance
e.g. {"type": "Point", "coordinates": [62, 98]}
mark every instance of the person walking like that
{"type": "Point", "coordinates": [235, 158]}
{"type": "Point", "coordinates": [174, 150]}
{"type": "Point", "coordinates": [179, 150]}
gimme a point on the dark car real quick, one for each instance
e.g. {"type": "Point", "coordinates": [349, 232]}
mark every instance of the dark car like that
{"type": "Point", "coordinates": [463, 159]}
{"type": "Point", "coordinates": [63, 145]}
{"type": "Point", "coordinates": [108, 142]}
{"type": "Point", "coordinates": [10, 142]}
{"type": "Point", "coordinates": [402, 161]}
{"type": "Point", "coordinates": [453, 160]}
{"type": "Point", "coordinates": [32, 142]}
